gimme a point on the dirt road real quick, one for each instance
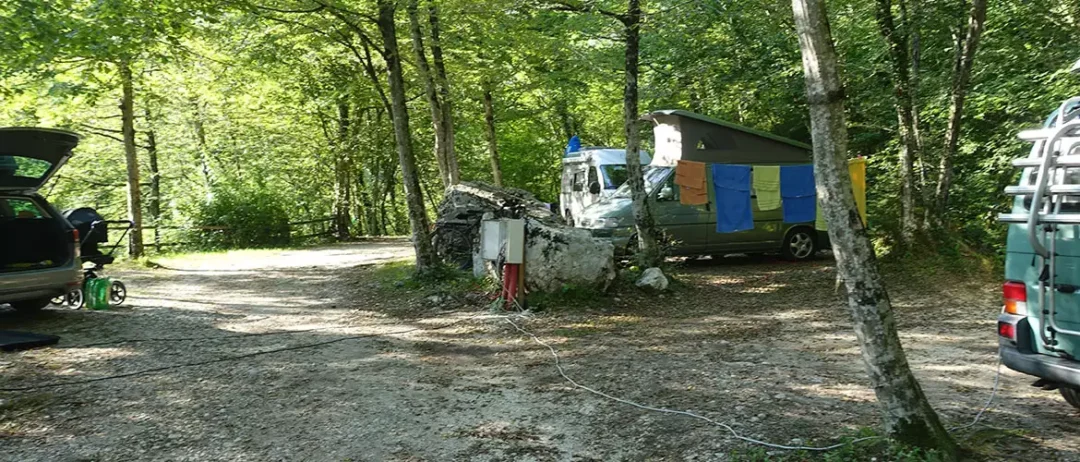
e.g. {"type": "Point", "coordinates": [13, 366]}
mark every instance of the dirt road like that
{"type": "Point", "coordinates": [305, 355]}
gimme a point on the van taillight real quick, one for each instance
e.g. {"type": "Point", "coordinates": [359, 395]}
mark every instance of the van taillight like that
{"type": "Point", "coordinates": [75, 236]}
{"type": "Point", "coordinates": [1015, 295]}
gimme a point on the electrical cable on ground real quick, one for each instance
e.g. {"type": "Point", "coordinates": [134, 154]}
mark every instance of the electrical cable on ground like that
{"type": "Point", "coordinates": [734, 434]}
{"type": "Point", "coordinates": [227, 358]}
{"type": "Point", "coordinates": [185, 339]}
{"type": "Point", "coordinates": [993, 393]}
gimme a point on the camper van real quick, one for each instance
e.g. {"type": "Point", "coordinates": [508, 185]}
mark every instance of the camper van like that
{"type": "Point", "coordinates": [589, 175]}
{"type": "Point", "coordinates": [692, 229]}
{"type": "Point", "coordinates": [1039, 326]}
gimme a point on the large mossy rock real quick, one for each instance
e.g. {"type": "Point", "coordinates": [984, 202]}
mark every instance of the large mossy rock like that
{"type": "Point", "coordinates": [556, 255]}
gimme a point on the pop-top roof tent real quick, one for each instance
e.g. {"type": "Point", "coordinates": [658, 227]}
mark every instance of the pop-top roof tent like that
{"type": "Point", "coordinates": [684, 135]}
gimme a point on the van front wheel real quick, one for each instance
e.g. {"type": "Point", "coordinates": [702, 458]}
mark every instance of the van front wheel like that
{"type": "Point", "coordinates": [1072, 395]}
{"type": "Point", "coordinates": [800, 244]}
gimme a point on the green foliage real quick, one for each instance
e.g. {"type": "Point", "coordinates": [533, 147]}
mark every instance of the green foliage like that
{"type": "Point", "coordinates": [265, 88]}
{"type": "Point", "coordinates": [247, 219]}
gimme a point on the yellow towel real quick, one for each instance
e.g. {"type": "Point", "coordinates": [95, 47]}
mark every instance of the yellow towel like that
{"type": "Point", "coordinates": [857, 170]}
{"type": "Point", "coordinates": [766, 183]}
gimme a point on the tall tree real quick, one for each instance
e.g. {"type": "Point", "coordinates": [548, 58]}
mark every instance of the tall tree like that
{"type": "Point", "coordinates": [897, 44]}
{"type": "Point", "coordinates": [492, 142]}
{"type": "Point", "coordinates": [131, 157]}
{"type": "Point", "coordinates": [961, 76]}
{"type": "Point", "coordinates": [907, 414]}
{"type": "Point", "coordinates": [342, 173]}
{"type": "Point", "coordinates": [414, 200]}
{"type": "Point", "coordinates": [435, 103]}
{"type": "Point", "coordinates": [648, 245]}
{"type": "Point", "coordinates": [443, 83]}
{"type": "Point", "coordinates": [154, 206]}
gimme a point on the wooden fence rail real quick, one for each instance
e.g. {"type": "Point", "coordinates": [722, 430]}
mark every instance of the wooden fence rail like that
{"type": "Point", "coordinates": [304, 229]}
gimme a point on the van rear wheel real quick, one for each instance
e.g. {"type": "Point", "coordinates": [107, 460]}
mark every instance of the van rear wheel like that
{"type": "Point", "coordinates": [800, 244]}
{"type": "Point", "coordinates": [1071, 395]}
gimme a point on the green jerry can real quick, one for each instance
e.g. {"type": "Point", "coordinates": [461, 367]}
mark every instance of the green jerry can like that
{"type": "Point", "coordinates": [97, 293]}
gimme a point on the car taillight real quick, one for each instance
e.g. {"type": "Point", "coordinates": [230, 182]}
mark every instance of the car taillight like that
{"type": "Point", "coordinates": [1015, 295]}
{"type": "Point", "coordinates": [1007, 330]}
{"type": "Point", "coordinates": [75, 239]}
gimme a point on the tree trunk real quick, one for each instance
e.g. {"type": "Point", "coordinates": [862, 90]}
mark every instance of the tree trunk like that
{"type": "Point", "coordinates": [431, 93]}
{"type": "Point", "coordinates": [342, 172]}
{"type": "Point", "coordinates": [154, 207]}
{"type": "Point", "coordinates": [896, 43]}
{"type": "Point", "coordinates": [444, 93]}
{"type": "Point", "coordinates": [965, 58]}
{"type": "Point", "coordinates": [907, 415]}
{"type": "Point", "coordinates": [204, 154]}
{"type": "Point", "coordinates": [418, 220]}
{"type": "Point", "coordinates": [648, 248]}
{"type": "Point", "coordinates": [134, 196]}
{"type": "Point", "coordinates": [493, 147]}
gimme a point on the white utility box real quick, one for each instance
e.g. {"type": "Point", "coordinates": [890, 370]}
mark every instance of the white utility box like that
{"type": "Point", "coordinates": [504, 233]}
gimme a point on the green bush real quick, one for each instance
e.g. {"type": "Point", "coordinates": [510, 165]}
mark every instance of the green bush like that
{"type": "Point", "coordinates": [247, 218]}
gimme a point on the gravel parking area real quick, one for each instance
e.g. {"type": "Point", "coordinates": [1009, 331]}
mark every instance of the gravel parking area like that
{"type": "Point", "coordinates": [307, 355]}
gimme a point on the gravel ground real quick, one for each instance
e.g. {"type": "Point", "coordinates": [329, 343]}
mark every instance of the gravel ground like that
{"type": "Point", "coordinates": [761, 344]}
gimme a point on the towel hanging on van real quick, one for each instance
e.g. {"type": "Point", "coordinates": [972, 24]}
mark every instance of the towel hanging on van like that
{"type": "Point", "coordinates": [693, 189]}
{"type": "Point", "coordinates": [767, 187]}
{"type": "Point", "coordinates": [798, 194]}
{"type": "Point", "coordinates": [731, 184]}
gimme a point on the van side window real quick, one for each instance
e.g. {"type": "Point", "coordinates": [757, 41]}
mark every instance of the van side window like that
{"type": "Point", "coordinates": [579, 182]}
{"type": "Point", "coordinates": [668, 191]}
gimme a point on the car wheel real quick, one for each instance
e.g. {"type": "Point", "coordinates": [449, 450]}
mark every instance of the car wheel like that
{"type": "Point", "coordinates": [1072, 395]}
{"type": "Point", "coordinates": [117, 293]}
{"type": "Point", "coordinates": [800, 244]}
{"type": "Point", "coordinates": [30, 306]}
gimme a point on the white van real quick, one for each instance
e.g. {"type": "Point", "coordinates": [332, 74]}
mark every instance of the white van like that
{"type": "Point", "coordinates": [589, 175]}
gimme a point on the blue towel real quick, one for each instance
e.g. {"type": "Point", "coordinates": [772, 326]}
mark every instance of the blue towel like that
{"type": "Point", "coordinates": [732, 186]}
{"type": "Point", "coordinates": [798, 195]}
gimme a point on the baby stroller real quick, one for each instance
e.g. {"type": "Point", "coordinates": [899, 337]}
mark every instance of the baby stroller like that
{"type": "Point", "coordinates": [94, 230]}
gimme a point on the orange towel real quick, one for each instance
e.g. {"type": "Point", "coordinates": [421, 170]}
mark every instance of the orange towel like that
{"type": "Point", "coordinates": [690, 176]}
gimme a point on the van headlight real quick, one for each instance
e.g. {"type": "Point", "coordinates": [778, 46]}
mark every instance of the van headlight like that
{"type": "Point", "coordinates": [602, 223]}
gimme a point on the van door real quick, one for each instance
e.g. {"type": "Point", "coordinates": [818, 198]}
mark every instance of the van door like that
{"type": "Point", "coordinates": [686, 227]}
{"type": "Point", "coordinates": [766, 236]}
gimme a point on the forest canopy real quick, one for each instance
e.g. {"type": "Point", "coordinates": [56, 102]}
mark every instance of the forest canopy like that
{"type": "Point", "coordinates": [284, 106]}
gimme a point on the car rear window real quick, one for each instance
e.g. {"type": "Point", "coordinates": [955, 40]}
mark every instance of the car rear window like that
{"type": "Point", "coordinates": [23, 167]}
{"type": "Point", "coordinates": [20, 208]}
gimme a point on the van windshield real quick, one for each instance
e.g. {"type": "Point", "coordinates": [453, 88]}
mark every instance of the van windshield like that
{"type": "Point", "coordinates": [653, 176]}
{"type": "Point", "coordinates": [614, 175]}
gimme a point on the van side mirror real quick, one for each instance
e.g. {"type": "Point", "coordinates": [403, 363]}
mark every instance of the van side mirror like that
{"type": "Point", "coordinates": [666, 193]}
{"type": "Point", "coordinates": [594, 188]}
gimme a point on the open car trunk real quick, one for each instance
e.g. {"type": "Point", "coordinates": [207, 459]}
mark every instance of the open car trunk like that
{"type": "Point", "coordinates": [29, 238]}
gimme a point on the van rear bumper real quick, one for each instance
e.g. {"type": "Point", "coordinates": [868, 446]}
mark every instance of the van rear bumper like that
{"type": "Point", "coordinates": [1047, 367]}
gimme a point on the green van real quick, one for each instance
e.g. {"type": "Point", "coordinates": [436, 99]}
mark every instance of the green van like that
{"type": "Point", "coordinates": [1039, 327]}
{"type": "Point", "coordinates": [691, 229]}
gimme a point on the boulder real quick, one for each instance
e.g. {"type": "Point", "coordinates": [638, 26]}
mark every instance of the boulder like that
{"type": "Point", "coordinates": [556, 255]}
{"type": "Point", "coordinates": [653, 279]}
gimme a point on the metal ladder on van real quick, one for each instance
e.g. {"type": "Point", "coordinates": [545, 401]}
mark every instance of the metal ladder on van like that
{"type": "Point", "coordinates": [1051, 155]}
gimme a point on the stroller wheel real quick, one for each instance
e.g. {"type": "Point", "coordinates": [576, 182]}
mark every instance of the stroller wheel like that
{"type": "Point", "coordinates": [75, 298]}
{"type": "Point", "coordinates": [117, 293]}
